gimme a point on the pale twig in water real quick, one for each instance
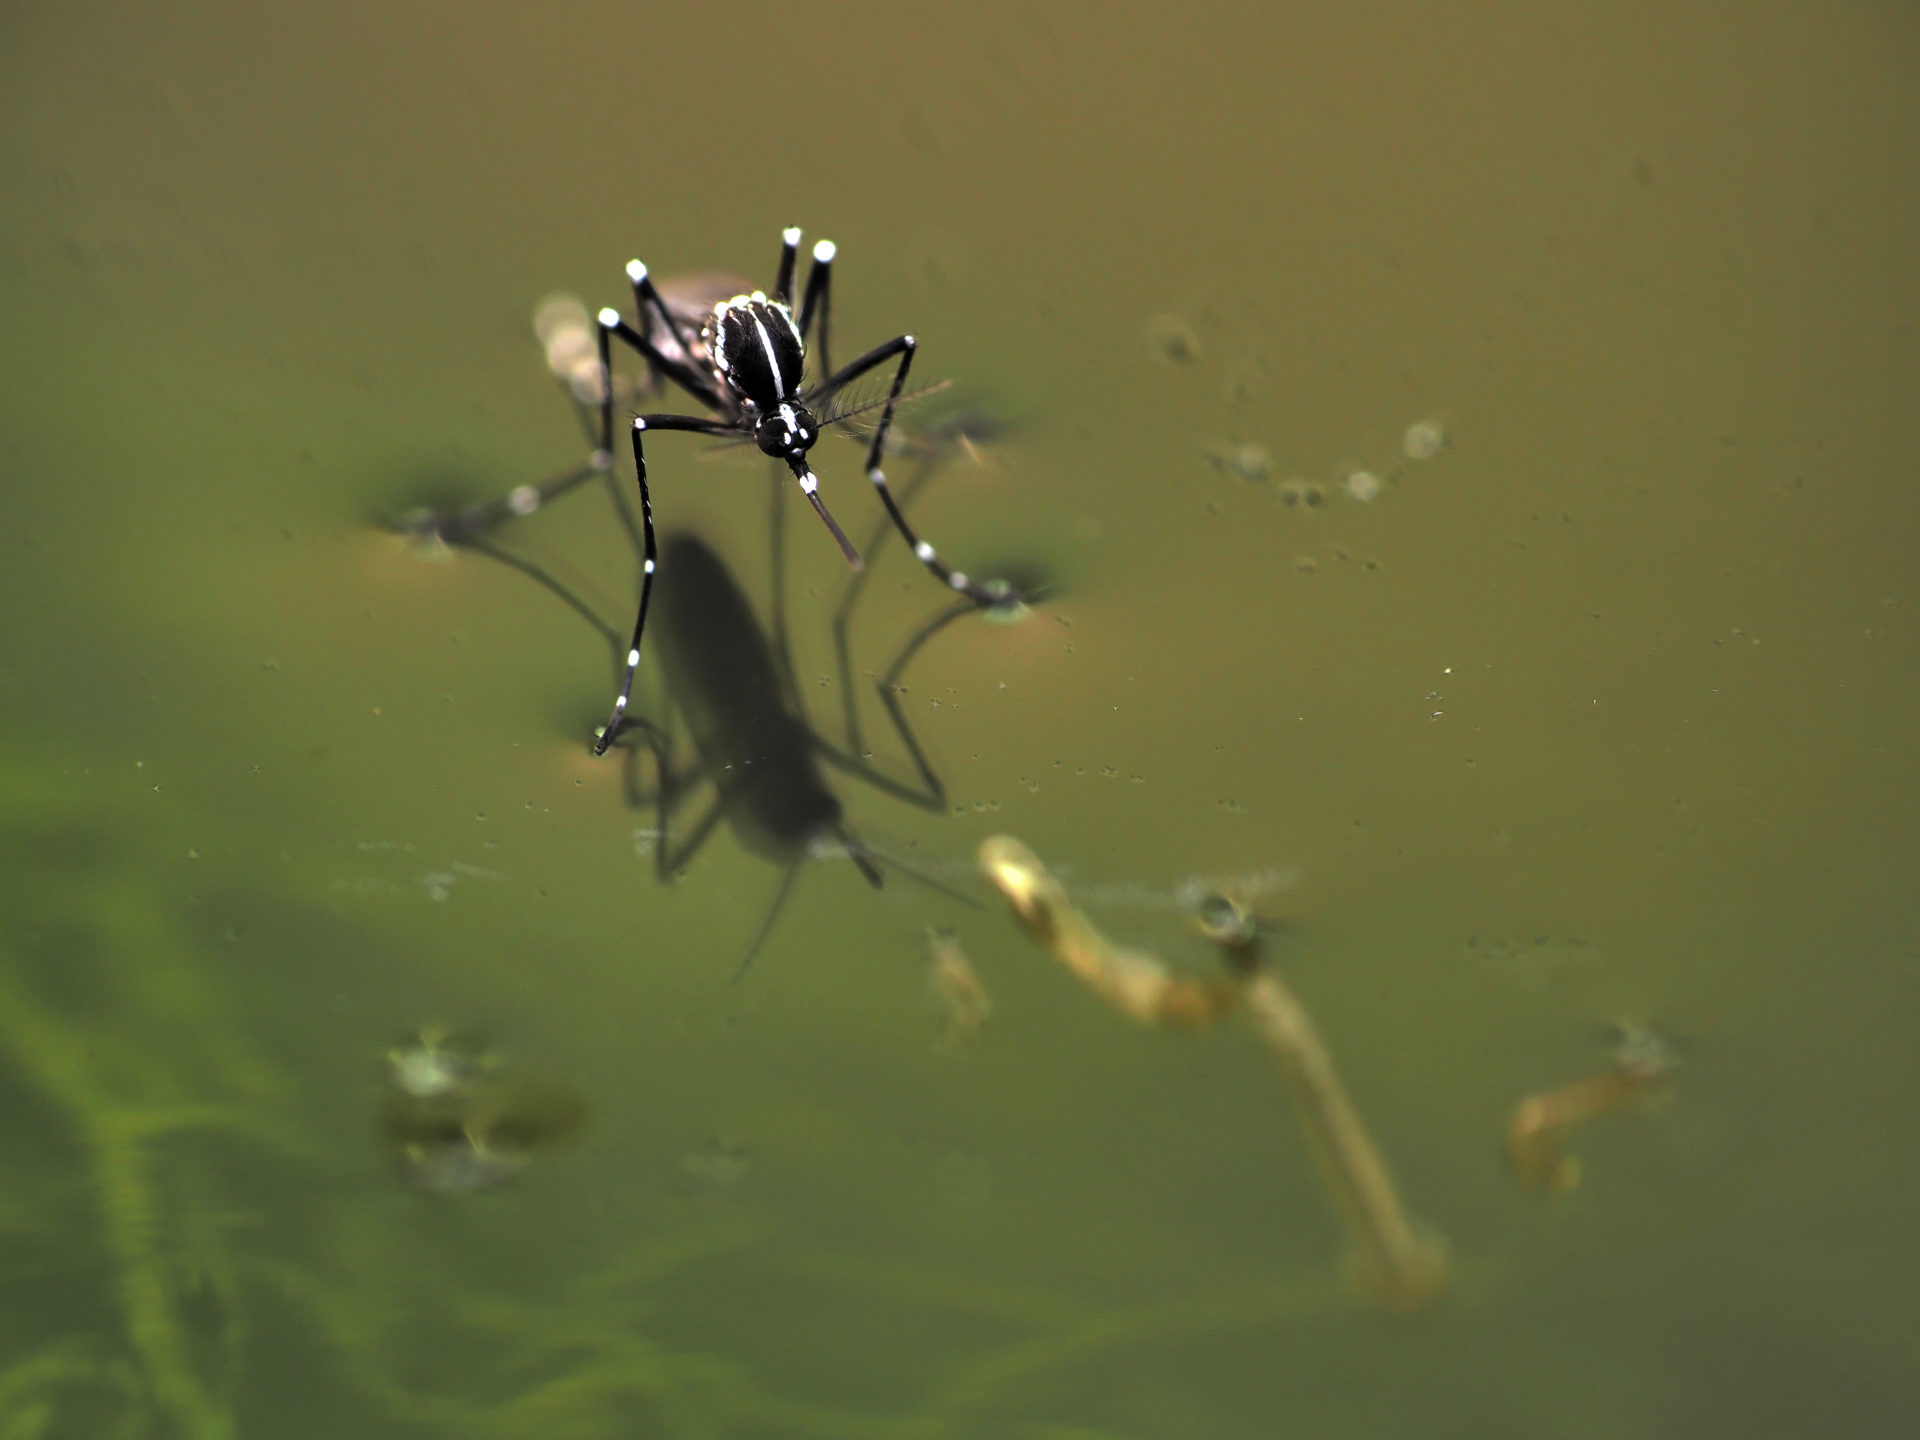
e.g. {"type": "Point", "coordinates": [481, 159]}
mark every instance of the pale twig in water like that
{"type": "Point", "coordinates": [1400, 1269]}
{"type": "Point", "coordinates": [1137, 984]}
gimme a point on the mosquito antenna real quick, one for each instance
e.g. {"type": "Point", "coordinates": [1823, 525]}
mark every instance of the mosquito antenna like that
{"type": "Point", "coordinates": [862, 857]}
{"type": "Point", "coordinates": [550, 583]}
{"type": "Point", "coordinates": [876, 401]}
{"type": "Point", "coordinates": [868, 859]}
{"type": "Point", "coordinates": [840, 414]}
{"type": "Point", "coordinates": [773, 913]}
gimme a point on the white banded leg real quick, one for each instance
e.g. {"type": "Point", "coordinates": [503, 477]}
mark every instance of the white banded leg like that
{"type": "Point", "coordinates": [789, 251]}
{"type": "Point", "coordinates": [649, 556]}
{"type": "Point", "coordinates": [611, 326]}
{"type": "Point", "coordinates": [924, 552]}
{"type": "Point", "coordinates": [819, 300]}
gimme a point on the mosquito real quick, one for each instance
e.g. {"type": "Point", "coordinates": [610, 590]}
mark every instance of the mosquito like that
{"type": "Point", "coordinates": [747, 367]}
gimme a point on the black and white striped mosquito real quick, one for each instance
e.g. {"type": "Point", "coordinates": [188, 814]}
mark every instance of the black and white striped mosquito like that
{"type": "Point", "coordinates": [747, 366]}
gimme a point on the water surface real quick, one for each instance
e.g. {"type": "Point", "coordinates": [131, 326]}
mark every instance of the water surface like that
{"type": "Point", "coordinates": [1595, 714]}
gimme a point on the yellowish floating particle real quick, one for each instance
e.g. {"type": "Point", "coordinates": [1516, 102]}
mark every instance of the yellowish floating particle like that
{"type": "Point", "coordinates": [1424, 440]}
{"type": "Point", "coordinates": [1245, 461]}
{"type": "Point", "coordinates": [1172, 339]}
{"type": "Point", "coordinates": [964, 1005]}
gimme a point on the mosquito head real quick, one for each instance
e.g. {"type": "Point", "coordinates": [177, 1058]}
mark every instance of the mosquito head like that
{"type": "Point", "coordinates": [757, 351]}
{"type": "Point", "coordinates": [787, 432]}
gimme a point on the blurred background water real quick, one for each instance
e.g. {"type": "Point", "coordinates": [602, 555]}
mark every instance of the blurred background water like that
{"type": "Point", "coordinates": [1594, 714]}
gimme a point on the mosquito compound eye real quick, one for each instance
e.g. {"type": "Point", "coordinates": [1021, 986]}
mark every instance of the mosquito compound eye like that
{"type": "Point", "coordinates": [777, 436]}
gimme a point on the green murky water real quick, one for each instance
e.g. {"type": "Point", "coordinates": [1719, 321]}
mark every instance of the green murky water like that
{"type": "Point", "coordinates": [1596, 714]}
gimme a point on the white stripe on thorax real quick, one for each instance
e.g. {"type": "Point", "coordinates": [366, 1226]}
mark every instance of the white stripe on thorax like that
{"type": "Point", "coordinates": [773, 364]}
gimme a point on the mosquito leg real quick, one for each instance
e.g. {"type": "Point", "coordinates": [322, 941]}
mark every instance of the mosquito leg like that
{"type": "Point", "coordinates": [649, 554]}
{"type": "Point", "coordinates": [670, 783]}
{"type": "Point", "coordinates": [789, 249]}
{"type": "Point", "coordinates": [674, 787]}
{"type": "Point", "coordinates": [552, 584]}
{"type": "Point", "coordinates": [819, 299]}
{"type": "Point", "coordinates": [922, 550]}
{"type": "Point", "coordinates": [888, 686]}
{"type": "Point", "coordinates": [850, 596]}
{"type": "Point", "coordinates": [467, 525]}
{"type": "Point", "coordinates": [777, 586]}
{"type": "Point", "coordinates": [611, 327]}
{"type": "Point", "coordinates": [933, 795]}
{"type": "Point", "coordinates": [668, 861]}
{"type": "Point", "coordinates": [903, 346]}
{"type": "Point", "coordinates": [760, 935]}
{"type": "Point", "coordinates": [647, 299]}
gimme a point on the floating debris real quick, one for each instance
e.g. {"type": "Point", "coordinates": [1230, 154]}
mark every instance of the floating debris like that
{"type": "Point", "coordinates": [1306, 494]}
{"type": "Point", "coordinates": [461, 1162]}
{"type": "Point", "coordinates": [964, 1005]}
{"type": "Point", "coordinates": [716, 1165]}
{"type": "Point", "coordinates": [1006, 607]}
{"type": "Point", "coordinates": [1363, 485]}
{"type": "Point", "coordinates": [460, 1121]}
{"type": "Point", "coordinates": [1137, 984]}
{"type": "Point", "coordinates": [573, 355]}
{"type": "Point", "coordinates": [1245, 461]}
{"type": "Point", "coordinates": [1229, 922]}
{"type": "Point", "coordinates": [1402, 1269]}
{"type": "Point", "coordinates": [1173, 340]}
{"type": "Point", "coordinates": [1537, 1129]}
{"type": "Point", "coordinates": [1399, 1268]}
{"type": "Point", "coordinates": [1424, 440]}
{"type": "Point", "coordinates": [432, 1068]}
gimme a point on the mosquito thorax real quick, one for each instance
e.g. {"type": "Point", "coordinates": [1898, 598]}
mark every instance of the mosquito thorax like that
{"type": "Point", "coordinates": [756, 350]}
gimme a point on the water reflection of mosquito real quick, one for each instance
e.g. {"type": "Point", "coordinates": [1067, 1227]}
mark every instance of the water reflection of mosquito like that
{"type": "Point", "coordinates": [730, 692]}
{"type": "Point", "coordinates": [744, 361]}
